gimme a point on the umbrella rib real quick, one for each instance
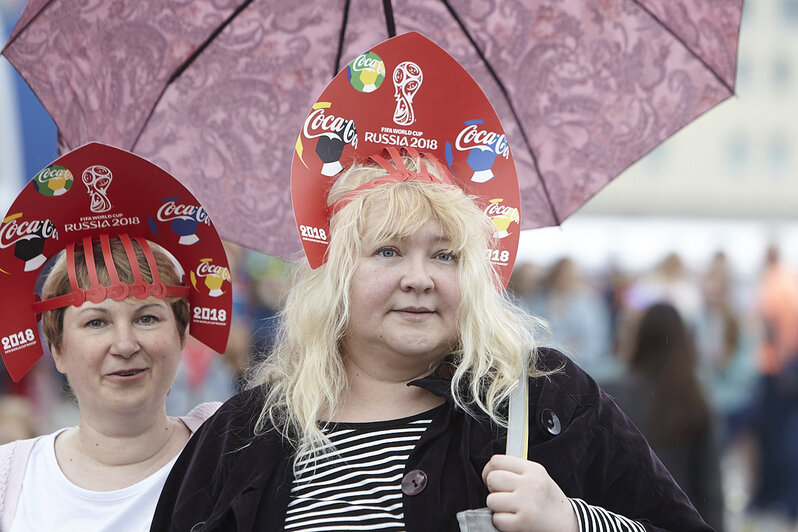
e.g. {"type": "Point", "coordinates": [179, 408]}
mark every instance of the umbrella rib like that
{"type": "Point", "coordinates": [190, 59]}
{"type": "Point", "coordinates": [390, 25]}
{"type": "Point", "coordinates": [679, 39]}
{"type": "Point", "coordinates": [341, 35]}
{"type": "Point", "coordinates": [506, 94]}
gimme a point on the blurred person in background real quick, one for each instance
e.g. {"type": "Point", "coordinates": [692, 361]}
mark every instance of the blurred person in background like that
{"type": "Point", "coordinates": [662, 395]}
{"type": "Point", "coordinates": [724, 362]}
{"type": "Point", "coordinates": [268, 281]}
{"type": "Point", "coordinates": [16, 419]}
{"type": "Point", "coordinates": [776, 422]}
{"type": "Point", "coordinates": [205, 375]}
{"type": "Point", "coordinates": [577, 316]}
{"type": "Point", "coordinates": [669, 281]}
{"type": "Point", "coordinates": [524, 282]}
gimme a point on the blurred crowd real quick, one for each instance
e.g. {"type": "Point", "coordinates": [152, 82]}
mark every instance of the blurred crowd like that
{"type": "Point", "coordinates": [704, 363]}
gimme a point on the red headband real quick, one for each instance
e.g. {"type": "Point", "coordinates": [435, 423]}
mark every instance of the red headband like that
{"type": "Point", "coordinates": [397, 173]}
{"type": "Point", "coordinates": [117, 290]}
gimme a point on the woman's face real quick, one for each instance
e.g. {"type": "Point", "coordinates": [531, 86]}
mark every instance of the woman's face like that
{"type": "Point", "coordinates": [405, 296]}
{"type": "Point", "coordinates": [119, 356]}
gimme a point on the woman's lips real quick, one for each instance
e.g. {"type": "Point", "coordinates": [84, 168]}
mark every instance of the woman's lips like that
{"type": "Point", "coordinates": [127, 374]}
{"type": "Point", "coordinates": [415, 313]}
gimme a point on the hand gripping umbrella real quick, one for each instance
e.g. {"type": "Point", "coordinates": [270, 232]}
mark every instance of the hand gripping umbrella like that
{"type": "Point", "coordinates": [211, 91]}
{"type": "Point", "coordinates": [85, 197]}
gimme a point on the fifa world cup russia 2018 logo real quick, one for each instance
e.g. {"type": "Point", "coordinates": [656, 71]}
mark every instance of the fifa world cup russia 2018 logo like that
{"type": "Point", "coordinates": [97, 179]}
{"type": "Point", "coordinates": [211, 275]}
{"type": "Point", "coordinates": [407, 79]}
{"type": "Point", "coordinates": [502, 216]}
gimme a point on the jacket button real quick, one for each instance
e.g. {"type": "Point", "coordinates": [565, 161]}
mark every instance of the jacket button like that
{"type": "Point", "coordinates": [550, 422]}
{"type": "Point", "coordinates": [414, 482]}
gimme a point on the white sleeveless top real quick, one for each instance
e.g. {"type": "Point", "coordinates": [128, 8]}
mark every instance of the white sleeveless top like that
{"type": "Point", "coordinates": [49, 499]}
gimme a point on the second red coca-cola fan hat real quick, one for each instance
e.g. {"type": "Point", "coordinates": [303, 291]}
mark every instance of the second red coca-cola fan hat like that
{"type": "Point", "coordinates": [84, 198]}
{"type": "Point", "coordinates": [408, 94]}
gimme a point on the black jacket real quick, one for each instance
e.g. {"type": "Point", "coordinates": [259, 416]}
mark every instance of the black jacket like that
{"type": "Point", "coordinates": [230, 480]}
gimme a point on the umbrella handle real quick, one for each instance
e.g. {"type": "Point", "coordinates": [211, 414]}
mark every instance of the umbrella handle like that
{"type": "Point", "coordinates": [518, 419]}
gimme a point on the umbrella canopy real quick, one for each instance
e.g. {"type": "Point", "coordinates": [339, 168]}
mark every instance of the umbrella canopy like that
{"type": "Point", "coordinates": [216, 92]}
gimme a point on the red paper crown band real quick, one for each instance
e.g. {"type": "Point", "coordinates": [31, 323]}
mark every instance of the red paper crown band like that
{"type": "Point", "coordinates": [139, 287]}
{"type": "Point", "coordinates": [96, 292]}
{"type": "Point", "coordinates": [397, 173]}
{"type": "Point", "coordinates": [117, 290]}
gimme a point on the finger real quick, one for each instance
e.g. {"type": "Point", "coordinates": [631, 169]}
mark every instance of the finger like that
{"type": "Point", "coordinates": [507, 522]}
{"type": "Point", "coordinates": [504, 502]}
{"type": "Point", "coordinates": [510, 463]}
{"type": "Point", "coordinates": [502, 481]}
{"type": "Point", "coordinates": [496, 462]}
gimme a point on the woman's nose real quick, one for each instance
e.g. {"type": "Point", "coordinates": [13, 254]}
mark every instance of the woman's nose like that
{"type": "Point", "coordinates": [125, 343]}
{"type": "Point", "coordinates": [417, 275]}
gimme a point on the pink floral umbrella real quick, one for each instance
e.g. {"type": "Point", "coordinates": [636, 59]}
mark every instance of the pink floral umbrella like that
{"type": "Point", "coordinates": [215, 92]}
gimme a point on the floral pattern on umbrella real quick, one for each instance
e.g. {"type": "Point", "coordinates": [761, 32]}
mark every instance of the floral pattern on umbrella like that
{"type": "Point", "coordinates": [215, 91]}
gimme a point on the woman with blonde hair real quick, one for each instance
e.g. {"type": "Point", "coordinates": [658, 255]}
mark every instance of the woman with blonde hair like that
{"type": "Point", "coordinates": [384, 402]}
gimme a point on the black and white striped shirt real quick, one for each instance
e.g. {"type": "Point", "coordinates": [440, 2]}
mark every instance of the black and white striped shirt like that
{"type": "Point", "coordinates": [358, 486]}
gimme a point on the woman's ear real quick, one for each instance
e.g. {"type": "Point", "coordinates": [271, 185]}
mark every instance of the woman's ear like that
{"type": "Point", "coordinates": [58, 359]}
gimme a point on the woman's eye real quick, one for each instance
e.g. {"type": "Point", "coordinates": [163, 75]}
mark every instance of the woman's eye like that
{"type": "Point", "coordinates": [95, 323]}
{"type": "Point", "coordinates": [148, 319]}
{"type": "Point", "coordinates": [386, 252]}
{"type": "Point", "coordinates": [447, 256]}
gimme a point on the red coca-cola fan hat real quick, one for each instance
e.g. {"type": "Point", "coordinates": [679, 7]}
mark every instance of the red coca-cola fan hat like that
{"type": "Point", "coordinates": [84, 198]}
{"type": "Point", "coordinates": [405, 94]}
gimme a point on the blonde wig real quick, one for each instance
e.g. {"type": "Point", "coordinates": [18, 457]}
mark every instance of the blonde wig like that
{"type": "Point", "coordinates": [303, 376]}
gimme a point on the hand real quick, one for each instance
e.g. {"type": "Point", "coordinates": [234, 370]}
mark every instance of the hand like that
{"type": "Point", "coordinates": [523, 497]}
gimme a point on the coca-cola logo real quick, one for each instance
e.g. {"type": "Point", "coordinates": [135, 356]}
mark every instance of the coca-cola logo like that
{"type": "Point", "coordinates": [319, 123]}
{"type": "Point", "coordinates": [53, 181]}
{"type": "Point", "coordinates": [206, 269]}
{"type": "Point", "coordinates": [368, 62]}
{"type": "Point", "coordinates": [366, 72]}
{"type": "Point", "coordinates": [14, 230]}
{"type": "Point", "coordinates": [171, 210]}
{"type": "Point", "coordinates": [497, 209]}
{"type": "Point", "coordinates": [473, 138]}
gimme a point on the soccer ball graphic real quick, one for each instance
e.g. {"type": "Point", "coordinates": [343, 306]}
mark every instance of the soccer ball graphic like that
{"type": "Point", "coordinates": [53, 181]}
